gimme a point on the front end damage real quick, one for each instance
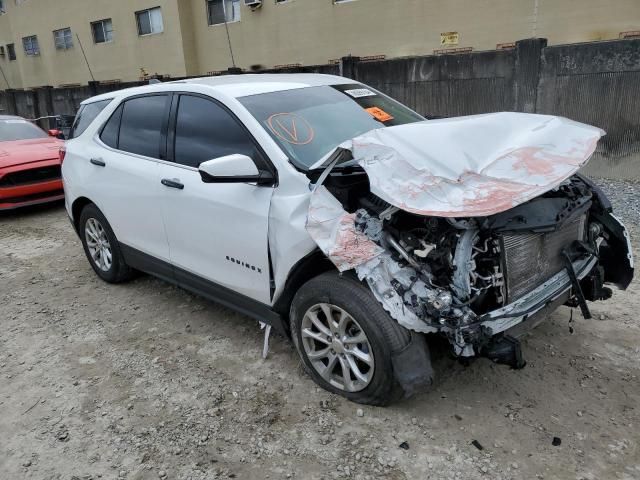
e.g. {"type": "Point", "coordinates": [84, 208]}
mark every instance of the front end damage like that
{"type": "Point", "coordinates": [476, 247]}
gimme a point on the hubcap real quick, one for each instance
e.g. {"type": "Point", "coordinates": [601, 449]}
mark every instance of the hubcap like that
{"type": "Point", "coordinates": [337, 347]}
{"type": "Point", "coordinates": [98, 244]}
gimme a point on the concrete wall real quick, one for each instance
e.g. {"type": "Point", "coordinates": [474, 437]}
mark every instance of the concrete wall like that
{"type": "Point", "coordinates": [448, 85]}
{"type": "Point", "coordinates": [596, 83]}
{"type": "Point", "coordinates": [599, 84]}
{"type": "Point", "coordinates": [307, 32]}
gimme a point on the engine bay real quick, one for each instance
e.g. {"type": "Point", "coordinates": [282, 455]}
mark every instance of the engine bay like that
{"type": "Point", "coordinates": [439, 274]}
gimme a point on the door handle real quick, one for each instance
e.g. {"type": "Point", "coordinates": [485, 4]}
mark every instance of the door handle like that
{"type": "Point", "coordinates": [172, 183]}
{"type": "Point", "coordinates": [98, 161]}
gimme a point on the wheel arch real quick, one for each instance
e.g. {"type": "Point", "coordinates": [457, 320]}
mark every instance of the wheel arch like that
{"type": "Point", "coordinates": [310, 266]}
{"type": "Point", "coordinates": [76, 209]}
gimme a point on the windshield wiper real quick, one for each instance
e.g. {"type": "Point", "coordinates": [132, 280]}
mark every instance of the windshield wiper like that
{"type": "Point", "coordinates": [339, 161]}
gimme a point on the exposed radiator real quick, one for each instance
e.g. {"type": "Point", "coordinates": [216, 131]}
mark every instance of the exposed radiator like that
{"type": "Point", "coordinates": [533, 258]}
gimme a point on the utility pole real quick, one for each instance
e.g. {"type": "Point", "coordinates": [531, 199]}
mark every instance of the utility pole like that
{"type": "Point", "coordinates": [85, 58]}
{"type": "Point", "coordinates": [226, 26]}
{"type": "Point", "coordinates": [5, 78]}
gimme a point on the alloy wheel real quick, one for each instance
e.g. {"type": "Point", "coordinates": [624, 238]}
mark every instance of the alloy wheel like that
{"type": "Point", "coordinates": [337, 347]}
{"type": "Point", "coordinates": [98, 244]}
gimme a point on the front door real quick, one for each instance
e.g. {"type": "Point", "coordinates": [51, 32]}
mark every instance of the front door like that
{"type": "Point", "coordinates": [217, 232]}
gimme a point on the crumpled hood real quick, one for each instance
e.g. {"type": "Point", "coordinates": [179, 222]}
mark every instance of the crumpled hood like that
{"type": "Point", "coordinates": [473, 166]}
{"type": "Point", "coordinates": [19, 152]}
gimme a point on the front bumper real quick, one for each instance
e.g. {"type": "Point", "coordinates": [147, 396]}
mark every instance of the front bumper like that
{"type": "Point", "coordinates": [613, 264]}
{"type": "Point", "coordinates": [33, 192]}
{"type": "Point", "coordinates": [534, 306]}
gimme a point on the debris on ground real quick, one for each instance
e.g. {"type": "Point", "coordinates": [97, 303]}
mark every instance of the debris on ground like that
{"type": "Point", "coordinates": [477, 444]}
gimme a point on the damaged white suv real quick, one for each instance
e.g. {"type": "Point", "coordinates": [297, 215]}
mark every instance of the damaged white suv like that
{"type": "Point", "coordinates": [338, 216]}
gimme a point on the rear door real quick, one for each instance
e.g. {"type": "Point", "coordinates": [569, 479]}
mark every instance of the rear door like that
{"type": "Point", "coordinates": [217, 232]}
{"type": "Point", "coordinates": [125, 178]}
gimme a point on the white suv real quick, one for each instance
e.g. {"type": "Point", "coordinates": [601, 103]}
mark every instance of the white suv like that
{"type": "Point", "coordinates": [338, 216]}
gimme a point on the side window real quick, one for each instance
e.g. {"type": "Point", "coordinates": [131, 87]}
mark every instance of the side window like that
{"type": "Point", "coordinates": [150, 21]}
{"type": "Point", "coordinates": [141, 125]}
{"type": "Point", "coordinates": [86, 114]}
{"type": "Point", "coordinates": [109, 135]}
{"type": "Point", "coordinates": [11, 50]}
{"type": "Point", "coordinates": [102, 31]}
{"type": "Point", "coordinates": [205, 130]}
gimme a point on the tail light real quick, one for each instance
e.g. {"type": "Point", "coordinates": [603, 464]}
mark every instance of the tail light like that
{"type": "Point", "coordinates": [61, 154]}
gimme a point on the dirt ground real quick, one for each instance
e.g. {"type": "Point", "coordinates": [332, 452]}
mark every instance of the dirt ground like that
{"type": "Point", "coordinates": [146, 381]}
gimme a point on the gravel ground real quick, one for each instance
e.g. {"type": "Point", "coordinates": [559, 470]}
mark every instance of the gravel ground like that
{"type": "Point", "coordinates": [625, 198]}
{"type": "Point", "coordinates": [145, 381]}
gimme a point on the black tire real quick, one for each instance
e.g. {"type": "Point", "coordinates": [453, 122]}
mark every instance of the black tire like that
{"type": "Point", "coordinates": [118, 271]}
{"type": "Point", "coordinates": [386, 337]}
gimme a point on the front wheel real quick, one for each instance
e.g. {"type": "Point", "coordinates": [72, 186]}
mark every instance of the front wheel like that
{"type": "Point", "coordinates": [346, 340]}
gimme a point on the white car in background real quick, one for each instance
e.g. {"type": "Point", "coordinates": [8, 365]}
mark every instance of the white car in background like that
{"type": "Point", "coordinates": [322, 207]}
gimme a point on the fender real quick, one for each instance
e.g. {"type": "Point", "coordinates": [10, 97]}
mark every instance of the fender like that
{"type": "Point", "coordinates": [616, 256]}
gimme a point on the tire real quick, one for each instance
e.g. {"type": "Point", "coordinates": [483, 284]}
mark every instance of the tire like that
{"type": "Point", "coordinates": [94, 227]}
{"type": "Point", "coordinates": [385, 338]}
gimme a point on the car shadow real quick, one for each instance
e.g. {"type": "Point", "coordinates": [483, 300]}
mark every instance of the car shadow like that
{"type": "Point", "coordinates": [31, 210]}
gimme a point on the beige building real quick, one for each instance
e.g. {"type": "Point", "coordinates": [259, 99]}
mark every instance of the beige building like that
{"type": "Point", "coordinates": [45, 43]}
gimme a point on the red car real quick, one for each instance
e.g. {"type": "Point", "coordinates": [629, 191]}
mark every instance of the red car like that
{"type": "Point", "coordinates": [29, 164]}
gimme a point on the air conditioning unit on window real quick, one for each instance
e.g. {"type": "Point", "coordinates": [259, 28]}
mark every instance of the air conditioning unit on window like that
{"type": "Point", "coordinates": [253, 3]}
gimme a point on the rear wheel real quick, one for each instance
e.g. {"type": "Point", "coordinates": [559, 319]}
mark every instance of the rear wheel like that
{"type": "Point", "coordinates": [346, 340]}
{"type": "Point", "coordinates": [101, 246]}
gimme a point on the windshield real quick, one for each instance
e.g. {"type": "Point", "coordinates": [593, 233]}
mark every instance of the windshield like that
{"type": "Point", "coordinates": [19, 129]}
{"type": "Point", "coordinates": [309, 123]}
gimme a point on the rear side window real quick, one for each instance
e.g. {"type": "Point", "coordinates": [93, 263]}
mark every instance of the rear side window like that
{"type": "Point", "coordinates": [87, 114]}
{"type": "Point", "coordinates": [110, 131]}
{"type": "Point", "coordinates": [140, 122]}
{"type": "Point", "coordinates": [205, 130]}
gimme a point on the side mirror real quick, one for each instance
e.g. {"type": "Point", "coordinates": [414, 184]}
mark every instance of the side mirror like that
{"type": "Point", "coordinates": [234, 168]}
{"type": "Point", "coordinates": [56, 133]}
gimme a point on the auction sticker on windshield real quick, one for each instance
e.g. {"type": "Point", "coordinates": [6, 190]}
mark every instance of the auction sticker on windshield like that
{"type": "Point", "coordinates": [379, 114]}
{"type": "Point", "coordinates": [360, 92]}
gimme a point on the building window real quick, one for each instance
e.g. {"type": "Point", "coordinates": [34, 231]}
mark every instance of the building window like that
{"type": "Point", "coordinates": [102, 31]}
{"type": "Point", "coordinates": [149, 21]}
{"type": "Point", "coordinates": [31, 47]}
{"type": "Point", "coordinates": [223, 11]}
{"type": "Point", "coordinates": [63, 38]}
{"type": "Point", "coordinates": [11, 51]}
